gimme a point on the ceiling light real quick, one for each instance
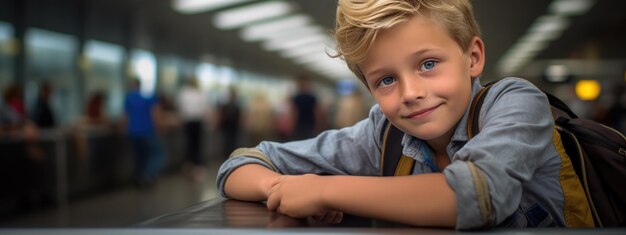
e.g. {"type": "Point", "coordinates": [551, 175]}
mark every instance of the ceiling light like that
{"type": "Point", "coordinates": [528, 46]}
{"type": "Point", "coordinates": [292, 34]}
{"type": "Point", "coordinates": [328, 63]}
{"type": "Point", "coordinates": [284, 44]}
{"type": "Point", "coordinates": [248, 14]}
{"type": "Point", "coordinates": [303, 50]}
{"type": "Point", "coordinates": [547, 24]}
{"type": "Point", "coordinates": [197, 6]}
{"type": "Point", "coordinates": [557, 73]}
{"type": "Point", "coordinates": [540, 36]}
{"type": "Point", "coordinates": [264, 30]}
{"type": "Point", "coordinates": [570, 7]}
{"type": "Point", "coordinates": [311, 58]}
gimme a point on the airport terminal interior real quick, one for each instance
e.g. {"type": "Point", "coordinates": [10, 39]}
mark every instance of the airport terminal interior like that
{"type": "Point", "coordinates": [67, 67]}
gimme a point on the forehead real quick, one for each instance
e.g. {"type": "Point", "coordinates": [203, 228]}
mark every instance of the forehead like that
{"type": "Point", "coordinates": [416, 33]}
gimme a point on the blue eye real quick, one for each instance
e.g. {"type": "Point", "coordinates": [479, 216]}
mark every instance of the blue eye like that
{"type": "Point", "coordinates": [428, 65]}
{"type": "Point", "coordinates": [386, 81]}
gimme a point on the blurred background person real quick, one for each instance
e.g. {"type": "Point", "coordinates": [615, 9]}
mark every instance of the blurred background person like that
{"type": "Point", "coordinates": [141, 112]}
{"type": "Point", "coordinates": [193, 107]}
{"type": "Point", "coordinates": [259, 119]}
{"type": "Point", "coordinates": [13, 112]}
{"type": "Point", "coordinates": [43, 115]}
{"type": "Point", "coordinates": [15, 124]}
{"type": "Point", "coordinates": [285, 121]}
{"type": "Point", "coordinates": [93, 122]}
{"type": "Point", "coordinates": [306, 111]}
{"type": "Point", "coordinates": [23, 158]}
{"type": "Point", "coordinates": [229, 122]}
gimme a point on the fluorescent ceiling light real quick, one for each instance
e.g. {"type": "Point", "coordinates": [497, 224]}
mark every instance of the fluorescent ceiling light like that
{"type": "Point", "coordinates": [304, 50]}
{"type": "Point", "coordinates": [335, 74]}
{"type": "Point", "coordinates": [311, 58]}
{"type": "Point", "coordinates": [263, 30]}
{"type": "Point", "coordinates": [530, 46]}
{"type": "Point", "coordinates": [291, 34]}
{"type": "Point", "coordinates": [540, 37]}
{"type": "Point", "coordinates": [296, 33]}
{"type": "Point", "coordinates": [284, 44]}
{"type": "Point", "coordinates": [570, 7]}
{"type": "Point", "coordinates": [327, 64]}
{"type": "Point", "coordinates": [546, 24]}
{"type": "Point", "coordinates": [327, 70]}
{"type": "Point", "coordinates": [248, 14]}
{"type": "Point", "coordinates": [197, 6]}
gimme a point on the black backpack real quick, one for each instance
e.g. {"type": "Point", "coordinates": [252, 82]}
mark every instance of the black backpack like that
{"type": "Point", "coordinates": [597, 153]}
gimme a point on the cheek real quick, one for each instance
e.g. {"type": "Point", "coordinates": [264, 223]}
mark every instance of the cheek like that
{"type": "Point", "coordinates": [387, 104]}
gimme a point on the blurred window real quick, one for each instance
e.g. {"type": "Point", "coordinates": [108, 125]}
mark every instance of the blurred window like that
{"type": "Point", "coordinates": [144, 69]}
{"type": "Point", "coordinates": [103, 65]}
{"type": "Point", "coordinates": [51, 56]}
{"type": "Point", "coordinates": [173, 72]}
{"type": "Point", "coordinates": [7, 50]}
{"type": "Point", "coordinates": [208, 78]}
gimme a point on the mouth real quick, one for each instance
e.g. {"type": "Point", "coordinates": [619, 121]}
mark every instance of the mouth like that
{"type": "Point", "coordinates": [422, 113]}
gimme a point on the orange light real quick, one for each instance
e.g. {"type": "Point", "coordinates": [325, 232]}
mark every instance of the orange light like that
{"type": "Point", "coordinates": [588, 89]}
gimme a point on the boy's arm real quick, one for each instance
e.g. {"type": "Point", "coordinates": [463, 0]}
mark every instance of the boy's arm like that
{"type": "Point", "coordinates": [420, 200]}
{"type": "Point", "coordinates": [250, 182]}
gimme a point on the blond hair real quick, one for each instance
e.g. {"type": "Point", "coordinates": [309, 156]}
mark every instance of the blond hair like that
{"type": "Point", "coordinates": [359, 21]}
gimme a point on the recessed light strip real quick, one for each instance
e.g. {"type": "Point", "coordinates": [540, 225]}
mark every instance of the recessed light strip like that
{"type": "Point", "coordinates": [253, 13]}
{"type": "Point", "coordinates": [198, 6]}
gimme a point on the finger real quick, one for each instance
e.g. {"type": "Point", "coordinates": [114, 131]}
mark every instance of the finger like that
{"type": "Point", "coordinates": [330, 217]}
{"type": "Point", "coordinates": [273, 201]}
{"type": "Point", "coordinates": [338, 218]}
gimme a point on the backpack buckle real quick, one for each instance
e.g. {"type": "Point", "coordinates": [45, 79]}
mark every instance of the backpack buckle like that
{"type": "Point", "coordinates": [622, 151]}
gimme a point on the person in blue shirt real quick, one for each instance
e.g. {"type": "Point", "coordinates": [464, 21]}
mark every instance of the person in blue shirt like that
{"type": "Point", "coordinates": [140, 124]}
{"type": "Point", "coordinates": [421, 61]}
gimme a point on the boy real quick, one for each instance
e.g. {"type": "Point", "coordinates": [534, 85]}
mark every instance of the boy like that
{"type": "Point", "coordinates": [421, 60]}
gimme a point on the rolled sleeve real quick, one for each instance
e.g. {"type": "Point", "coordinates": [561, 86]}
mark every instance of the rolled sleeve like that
{"type": "Point", "coordinates": [230, 165]}
{"type": "Point", "coordinates": [459, 178]}
{"type": "Point", "coordinates": [514, 141]}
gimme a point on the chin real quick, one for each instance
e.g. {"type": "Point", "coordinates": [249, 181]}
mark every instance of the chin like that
{"type": "Point", "coordinates": [427, 136]}
{"type": "Point", "coordinates": [424, 133]}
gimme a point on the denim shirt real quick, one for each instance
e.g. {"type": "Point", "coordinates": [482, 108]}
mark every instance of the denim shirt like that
{"type": "Point", "coordinates": [514, 150]}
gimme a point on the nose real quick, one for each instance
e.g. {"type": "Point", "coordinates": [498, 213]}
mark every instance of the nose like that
{"type": "Point", "coordinates": [412, 89]}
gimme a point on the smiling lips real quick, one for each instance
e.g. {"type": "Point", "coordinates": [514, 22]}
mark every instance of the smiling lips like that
{"type": "Point", "coordinates": [421, 113]}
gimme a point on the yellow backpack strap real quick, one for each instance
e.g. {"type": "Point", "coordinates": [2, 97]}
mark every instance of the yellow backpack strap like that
{"type": "Point", "coordinates": [405, 166]}
{"type": "Point", "coordinates": [392, 161]}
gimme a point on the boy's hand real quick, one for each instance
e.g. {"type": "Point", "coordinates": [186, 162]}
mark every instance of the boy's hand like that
{"type": "Point", "coordinates": [299, 196]}
{"type": "Point", "coordinates": [330, 217]}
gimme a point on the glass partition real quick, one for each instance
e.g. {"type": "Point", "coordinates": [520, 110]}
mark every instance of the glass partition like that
{"type": "Point", "coordinates": [51, 57]}
{"type": "Point", "coordinates": [7, 50]}
{"type": "Point", "coordinates": [104, 68]}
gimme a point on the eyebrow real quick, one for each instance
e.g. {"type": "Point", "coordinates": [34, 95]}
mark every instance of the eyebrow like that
{"type": "Point", "coordinates": [378, 70]}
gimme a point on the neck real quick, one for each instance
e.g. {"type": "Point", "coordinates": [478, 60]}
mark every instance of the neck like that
{"type": "Point", "coordinates": [439, 147]}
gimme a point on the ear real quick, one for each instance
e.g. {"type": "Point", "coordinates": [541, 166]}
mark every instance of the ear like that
{"type": "Point", "coordinates": [477, 57]}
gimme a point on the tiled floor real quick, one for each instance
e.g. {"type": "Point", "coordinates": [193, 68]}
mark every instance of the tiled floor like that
{"type": "Point", "coordinates": [125, 206]}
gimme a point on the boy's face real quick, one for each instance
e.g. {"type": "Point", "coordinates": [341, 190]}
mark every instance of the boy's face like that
{"type": "Point", "coordinates": [421, 78]}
